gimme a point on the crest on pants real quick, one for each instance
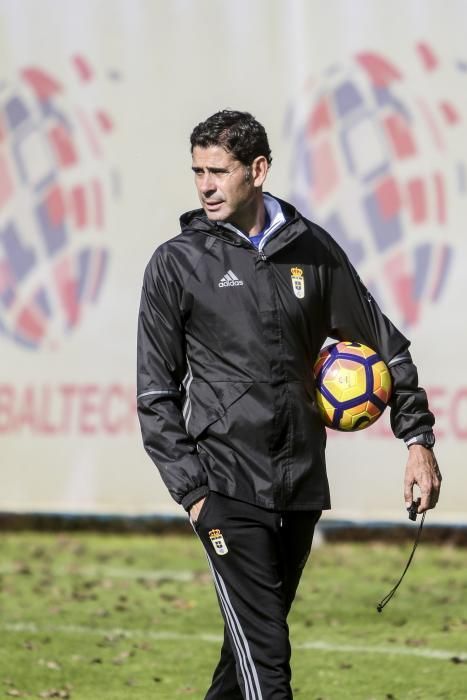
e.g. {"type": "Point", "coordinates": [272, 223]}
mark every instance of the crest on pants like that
{"type": "Point", "coordinates": [298, 282]}
{"type": "Point", "coordinates": [218, 542]}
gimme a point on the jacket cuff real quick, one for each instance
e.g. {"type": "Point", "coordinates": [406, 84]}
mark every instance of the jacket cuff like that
{"type": "Point", "coordinates": [194, 496]}
{"type": "Point", "coordinates": [418, 431]}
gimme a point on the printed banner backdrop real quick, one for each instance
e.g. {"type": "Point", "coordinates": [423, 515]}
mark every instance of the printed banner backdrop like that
{"type": "Point", "coordinates": [365, 104]}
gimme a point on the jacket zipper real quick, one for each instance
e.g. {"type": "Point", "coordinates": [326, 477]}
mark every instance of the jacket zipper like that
{"type": "Point", "coordinates": [282, 486]}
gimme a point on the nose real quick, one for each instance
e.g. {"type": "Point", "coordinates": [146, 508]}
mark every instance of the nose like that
{"type": "Point", "coordinates": [207, 183]}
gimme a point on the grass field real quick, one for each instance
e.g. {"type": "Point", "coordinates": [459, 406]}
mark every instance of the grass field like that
{"type": "Point", "coordinates": [106, 617]}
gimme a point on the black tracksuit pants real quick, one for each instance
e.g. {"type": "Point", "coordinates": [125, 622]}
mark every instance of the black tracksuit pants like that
{"type": "Point", "coordinates": [256, 557]}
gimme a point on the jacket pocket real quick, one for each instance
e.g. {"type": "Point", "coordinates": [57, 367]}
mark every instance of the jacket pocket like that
{"type": "Point", "coordinates": [207, 402]}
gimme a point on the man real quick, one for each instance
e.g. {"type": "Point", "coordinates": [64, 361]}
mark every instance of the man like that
{"type": "Point", "coordinates": [226, 396]}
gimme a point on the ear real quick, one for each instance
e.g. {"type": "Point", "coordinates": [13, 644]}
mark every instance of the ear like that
{"type": "Point", "coordinates": [259, 170]}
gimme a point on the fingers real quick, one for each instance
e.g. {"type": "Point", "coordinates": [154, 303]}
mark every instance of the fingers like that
{"type": "Point", "coordinates": [408, 492]}
{"type": "Point", "coordinates": [422, 470]}
{"type": "Point", "coordinates": [425, 502]}
{"type": "Point", "coordinates": [430, 488]}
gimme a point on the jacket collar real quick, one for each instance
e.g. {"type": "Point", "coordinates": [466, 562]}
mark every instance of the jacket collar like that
{"type": "Point", "coordinates": [293, 227]}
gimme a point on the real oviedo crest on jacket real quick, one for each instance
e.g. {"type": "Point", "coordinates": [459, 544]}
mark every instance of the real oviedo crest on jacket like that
{"type": "Point", "coordinates": [298, 282]}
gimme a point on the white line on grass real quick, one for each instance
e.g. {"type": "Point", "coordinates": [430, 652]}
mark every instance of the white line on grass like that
{"type": "Point", "coordinates": [317, 645]}
{"type": "Point", "coordinates": [386, 650]}
{"type": "Point", "coordinates": [32, 628]}
{"type": "Point", "coordinates": [110, 572]}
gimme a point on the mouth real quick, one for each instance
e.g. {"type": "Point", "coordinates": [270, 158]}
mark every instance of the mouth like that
{"type": "Point", "coordinates": [212, 206]}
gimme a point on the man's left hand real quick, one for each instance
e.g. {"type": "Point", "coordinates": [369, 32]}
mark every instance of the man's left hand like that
{"type": "Point", "coordinates": [422, 469]}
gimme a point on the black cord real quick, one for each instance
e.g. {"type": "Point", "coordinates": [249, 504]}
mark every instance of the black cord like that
{"type": "Point", "coordinates": [388, 597]}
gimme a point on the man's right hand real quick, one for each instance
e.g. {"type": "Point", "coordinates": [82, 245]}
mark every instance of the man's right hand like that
{"type": "Point", "coordinates": [195, 509]}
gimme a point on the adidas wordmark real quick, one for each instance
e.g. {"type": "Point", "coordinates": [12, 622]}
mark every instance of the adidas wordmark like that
{"type": "Point", "coordinates": [230, 279]}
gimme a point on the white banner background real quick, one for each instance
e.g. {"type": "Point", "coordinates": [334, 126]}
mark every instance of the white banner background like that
{"type": "Point", "coordinates": [69, 440]}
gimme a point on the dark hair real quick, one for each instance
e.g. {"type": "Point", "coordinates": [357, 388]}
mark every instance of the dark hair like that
{"type": "Point", "coordinates": [238, 132]}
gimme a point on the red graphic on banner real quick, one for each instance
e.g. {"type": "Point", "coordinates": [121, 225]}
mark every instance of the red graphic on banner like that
{"type": "Point", "coordinates": [376, 162]}
{"type": "Point", "coordinates": [56, 184]}
{"type": "Point", "coordinates": [65, 409]}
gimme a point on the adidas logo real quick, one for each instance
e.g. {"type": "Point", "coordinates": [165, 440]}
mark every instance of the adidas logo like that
{"type": "Point", "coordinates": [230, 279]}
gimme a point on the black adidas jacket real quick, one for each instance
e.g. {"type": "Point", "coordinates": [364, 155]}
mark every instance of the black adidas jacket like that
{"type": "Point", "coordinates": [225, 382]}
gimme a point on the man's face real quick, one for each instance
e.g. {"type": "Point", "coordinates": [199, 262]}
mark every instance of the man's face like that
{"type": "Point", "coordinates": [224, 184]}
